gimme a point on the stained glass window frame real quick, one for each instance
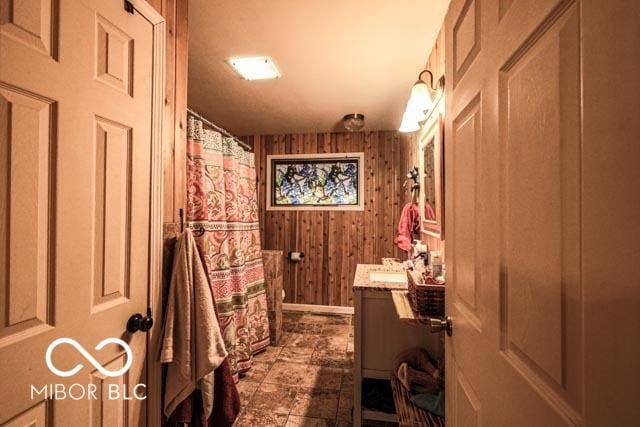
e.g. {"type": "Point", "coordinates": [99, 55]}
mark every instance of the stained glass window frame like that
{"type": "Point", "coordinates": [299, 160]}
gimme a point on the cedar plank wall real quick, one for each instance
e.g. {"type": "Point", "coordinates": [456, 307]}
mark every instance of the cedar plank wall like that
{"type": "Point", "coordinates": [175, 128]}
{"type": "Point", "coordinates": [175, 13]}
{"type": "Point", "coordinates": [335, 241]}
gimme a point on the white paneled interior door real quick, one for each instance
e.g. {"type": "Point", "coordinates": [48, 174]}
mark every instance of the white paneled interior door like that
{"type": "Point", "coordinates": [78, 174]}
{"type": "Point", "coordinates": [543, 216]}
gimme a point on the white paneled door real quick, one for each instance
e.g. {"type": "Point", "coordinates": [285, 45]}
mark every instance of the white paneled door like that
{"type": "Point", "coordinates": [543, 212]}
{"type": "Point", "coordinates": [78, 184]}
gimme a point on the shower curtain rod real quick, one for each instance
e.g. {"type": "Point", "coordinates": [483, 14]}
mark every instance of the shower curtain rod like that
{"type": "Point", "coordinates": [219, 129]}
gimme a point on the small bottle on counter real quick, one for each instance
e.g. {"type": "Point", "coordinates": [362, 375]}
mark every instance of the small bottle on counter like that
{"type": "Point", "coordinates": [436, 264]}
{"type": "Point", "coordinates": [419, 256]}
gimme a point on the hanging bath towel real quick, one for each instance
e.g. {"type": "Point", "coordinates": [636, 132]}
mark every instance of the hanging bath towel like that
{"type": "Point", "coordinates": [192, 344]}
{"type": "Point", "coordinates": [408, 226]}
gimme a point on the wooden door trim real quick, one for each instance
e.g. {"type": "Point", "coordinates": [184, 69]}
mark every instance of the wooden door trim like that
{"type": "Point", "coordinates": [154, 368]}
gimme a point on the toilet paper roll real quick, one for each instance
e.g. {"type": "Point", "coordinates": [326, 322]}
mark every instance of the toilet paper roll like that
{"type": "Point", "coordinates": [296, 256]}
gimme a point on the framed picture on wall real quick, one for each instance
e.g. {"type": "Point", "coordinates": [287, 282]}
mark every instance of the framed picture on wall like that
{"type": "Point", "coordinates": [324, 181]}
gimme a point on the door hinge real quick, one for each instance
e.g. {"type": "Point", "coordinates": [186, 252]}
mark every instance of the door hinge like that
{"type": "Point", "coordinates": [128, 6]}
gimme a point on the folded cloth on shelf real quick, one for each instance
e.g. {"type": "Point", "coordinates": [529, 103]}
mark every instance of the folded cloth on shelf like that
{"type": "Point", "coordinates": [417, 381]}
{"type": "Point", "coordinates": [433, 403]}
{"type": "Point", "coordinates": [417, 372]}
{"type": "Point", "coordinates": [192, 345]}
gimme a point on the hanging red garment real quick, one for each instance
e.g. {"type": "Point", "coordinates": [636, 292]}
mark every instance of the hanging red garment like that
{"type": "Point", "coordinates": [429, 213]}
{"type": "Point", "coordinates": [408, 226]}
{"type": "Point", "coordinates": [226, 403]}
{"type": "Point", "coordinates": [226, 399]}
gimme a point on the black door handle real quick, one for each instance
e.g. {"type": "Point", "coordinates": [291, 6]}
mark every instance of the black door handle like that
{"type": "Point", "coordinates": [138, 322]}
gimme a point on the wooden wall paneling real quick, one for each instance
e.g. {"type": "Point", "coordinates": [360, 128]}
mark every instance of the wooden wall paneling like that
{"type": "Point", "coordinates": [266, 146]}
{"type": "Point", "coordinates": [336, 241]}
{"type": "Point", "coordinates": [290, 234]}
{"type": "Point", "coordinates": [289, 221]}
{"type": "Point", "coordinates": [387, 150]}
{"type": "Point", "coordinates": [168, 10]}
{"type": "Point", "coordinates": [393, 211]}
{"type": "Point", "coordinates": [342, 245]}
{"type": "Point", "coordinates": [157, 5]}
{"type": "Point", "coordinates": [352, 229]}
{"type": "Point", "coordinates": [382, 227]}
{"type": "Point", "coordinates": [395, 188]}
{"type": "Point", "coordinates": [274, 234]}
{"type": "Point", "coordinates": [402, 197]}
{"type": "Point", "coordinates": [176, 14]}
{"type": "Point", "coordinates": [293, 230]}
{"type": "Point", "coordinates": [357, 229]}
{"type": "Point", "coordinates": [317, 239]}
{"type": "Point", "coordinates": [310, 236]}
{"type": "Point", "coordinates": [369, 236]}
{"type": "Point", "coordinates": [258, 148]}
{"type": "Point", "coordinates": [355, 232]}
{"type": "Point", "coordinates": [331, 277]}
{"type": "Point", "coordinates": [180, 118]}
{"type": "Point", "coordinates": [376, 220]}
{"type": "Point", "coordinates": [436, 58]}
{"type": "Point", "coordinates": [324, 146]}
{"type": "Point", "coordinates": [385, 175]}
{"type": "Point", "coordinates": [300, 244]}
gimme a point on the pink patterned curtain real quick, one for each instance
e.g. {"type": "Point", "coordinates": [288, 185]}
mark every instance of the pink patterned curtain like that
{"type": "Point", "coordinates": [222, 209]}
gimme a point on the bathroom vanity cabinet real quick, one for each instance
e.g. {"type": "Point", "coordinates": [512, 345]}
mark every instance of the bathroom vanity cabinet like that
{"type": "Point", "coordinates": [379, 334]}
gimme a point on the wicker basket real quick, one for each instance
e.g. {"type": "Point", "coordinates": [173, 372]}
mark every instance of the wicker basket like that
{"type": "Point", "coordinates": [427, 299]}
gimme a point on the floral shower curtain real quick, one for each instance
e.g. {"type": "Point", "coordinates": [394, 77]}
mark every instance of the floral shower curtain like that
{"type": "Point", "coordinates": [222, 209]}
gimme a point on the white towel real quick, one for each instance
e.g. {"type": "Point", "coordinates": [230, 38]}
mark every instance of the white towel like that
{"type": "Point", "coordinates": [192, 344]}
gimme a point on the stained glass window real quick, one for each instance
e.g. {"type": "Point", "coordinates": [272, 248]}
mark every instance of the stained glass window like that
{"type": "Point", "coordinates": [315, 182]}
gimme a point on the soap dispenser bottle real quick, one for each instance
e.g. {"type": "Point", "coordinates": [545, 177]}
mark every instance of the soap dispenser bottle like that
{"type": "Point", "coordinates": [420, 256]}
{"type": "Point", "coordinates": [436, 264]}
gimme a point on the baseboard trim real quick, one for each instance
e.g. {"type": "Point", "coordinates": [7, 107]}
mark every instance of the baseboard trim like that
{"type": "Point", "coordinates": [312, 308]}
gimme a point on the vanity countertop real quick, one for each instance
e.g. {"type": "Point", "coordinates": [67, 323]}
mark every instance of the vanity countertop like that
{"type": "Point", "coordinates": [362, 281]}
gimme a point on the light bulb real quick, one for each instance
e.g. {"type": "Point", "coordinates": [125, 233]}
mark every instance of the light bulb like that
{"type": "Point", "coordinates": [409, 121]}
{"type": "Point", "coordinates": [421, 99]}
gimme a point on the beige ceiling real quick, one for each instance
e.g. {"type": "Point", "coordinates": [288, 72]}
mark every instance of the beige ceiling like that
{"type": "Point", "coordinates": [335, 57]}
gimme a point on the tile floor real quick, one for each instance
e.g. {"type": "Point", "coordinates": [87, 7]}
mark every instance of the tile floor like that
{"type": "Point", "coordinates": [307, 380]}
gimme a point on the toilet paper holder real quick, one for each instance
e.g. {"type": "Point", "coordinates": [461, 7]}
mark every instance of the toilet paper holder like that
{"type": "Point", "coordinates": [295, 256]}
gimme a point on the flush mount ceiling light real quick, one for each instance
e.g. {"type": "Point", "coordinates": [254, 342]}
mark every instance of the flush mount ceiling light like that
{"type": "Point", "coordinates": [421, 101]}
{"type": "Point", "coordinates": [353, 122]}
{"type": "Point", "coordinates": [255, 68]}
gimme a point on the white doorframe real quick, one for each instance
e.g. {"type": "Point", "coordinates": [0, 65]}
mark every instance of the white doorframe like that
{"type": "Point", "coordinates": [154, 371]}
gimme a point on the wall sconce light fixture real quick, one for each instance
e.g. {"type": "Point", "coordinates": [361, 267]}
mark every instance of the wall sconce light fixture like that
{"type": "Point", "coordinates": [421, 101]}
